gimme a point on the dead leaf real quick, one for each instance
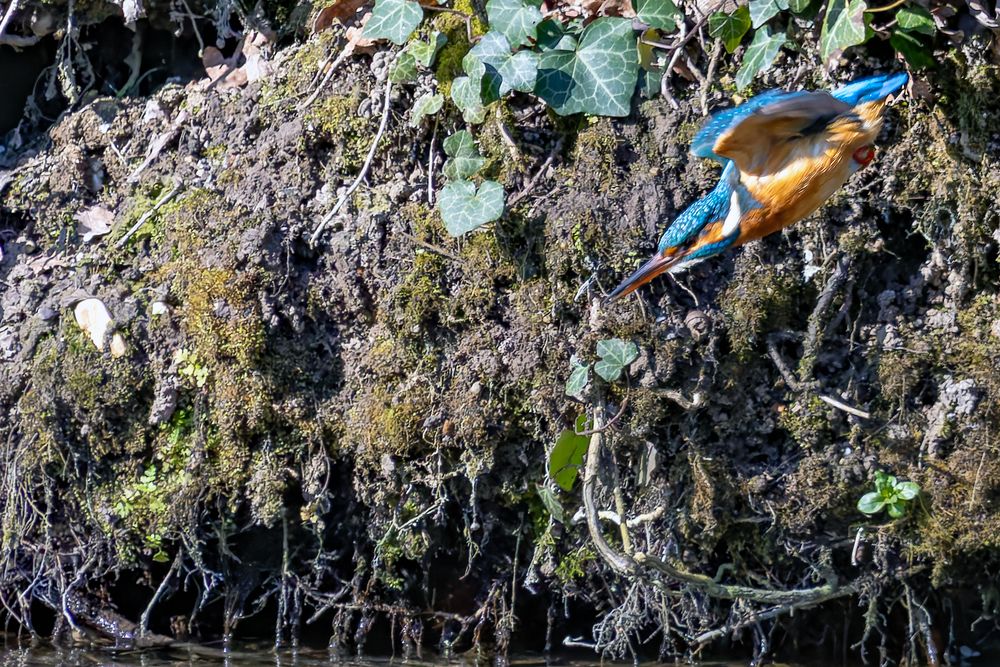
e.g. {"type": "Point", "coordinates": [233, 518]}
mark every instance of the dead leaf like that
{"type": "Point", "coordinates": [93, 222]}
{"type": "Point", "coordinates": [343, 12]}
{"type": "Point", "coordinates": [356, 42]}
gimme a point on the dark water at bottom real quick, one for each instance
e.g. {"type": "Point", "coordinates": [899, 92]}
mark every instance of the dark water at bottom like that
{"type": "Point", "coordinates": [45, 655]}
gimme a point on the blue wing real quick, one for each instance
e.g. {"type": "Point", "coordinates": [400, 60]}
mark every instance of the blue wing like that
{"type": "Point", "coordinates": [713, 207]}
{"type": "Point", "coordinates": [721, 121]}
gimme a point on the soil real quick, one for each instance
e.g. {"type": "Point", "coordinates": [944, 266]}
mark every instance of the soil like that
{"type": "Point", "coordinates": [345, 441]}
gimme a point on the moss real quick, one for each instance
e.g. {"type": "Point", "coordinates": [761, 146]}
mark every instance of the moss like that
{"type": "Point", "coordinates": [806, 422]}
{"type": "Point", "coordinates": [759, 298]}
{"type": "Point", "coordinates": [573, 566]}
{"type": "Point", "coordinates": [334, 122]}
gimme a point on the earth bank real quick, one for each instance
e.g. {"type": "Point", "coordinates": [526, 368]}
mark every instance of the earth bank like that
{"type": "Point", "coordinates": [349, 439]}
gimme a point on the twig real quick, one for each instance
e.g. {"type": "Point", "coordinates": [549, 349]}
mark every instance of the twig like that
{"type": "Point", "coordinates": [448, 10]}
{"type": "Point", "coordinates": [347, 51]}
{"type": "Point", "coordinates": [829, 400]}
{"type": "Point", "coordinates": [433, 248]}
{"type": "Point", "coordinates": [680, 399]}
{"type": "Point", "coordinates": [709, 75]}
{"type": "Point", "coordinates": [647, 517]}
{"type": "Point", "coordinates": [885, 8]}
{"type": "Point", "coordinates": [515, 155]}
{"type": "Point", "coordinates": [7, 16]}
{"type": "Point", "coordinates": [790, 608]}
{"type": "Point", "coordinates": [610, 423]}
{"type": "Point", "coordinates": [160, 590]}
{"type": "Point", "coordinates": [812, 341]}
{"type": "Point", "coordinates": [857, 546]}
{"type": "Point", "coordinates": [779, 362]}
{"type": "Point", "coordinates": [530, 185]}
{"type": "Point", "coordinates": [975, 484]}
{"type": "Point", "coordinates": [148, 214]}
{"type": "Point", "coordinates": [364, 169]}
{"type": "Point", "coordinates": [430, 165]}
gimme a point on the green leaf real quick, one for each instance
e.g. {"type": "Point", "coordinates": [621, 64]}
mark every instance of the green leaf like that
{"type": "Point", "coordinates": [425, 105]}
{"type": "Point", "coordinates": [871, 503]}
{"type": "Point", "coordinates": [916, 19]}
{"type": "Point", "coordinates": [464, 159]}
{"type": "Point", "coordinates": [551, 503]}
{"type": "Point", "coordinates": [730, 28]}
{"type": "Point", "coordinates": [615, 354]}
{"type": "Point", "coordinates": [760, 56]}
{"type": "Point", "coordinates": [394, 20]}
{"type": "Point", "coordinates": [516, 20]}
{"type": "Point", "coordinates": [897, 509]}
{"type": "Point", "coordinates": [762, 11]}
{"type": "Point", "coordinates": [463, 209]}
{"type": "Point", "coordinates": [907, 490]}
{"type": "Point", "coordinates": [567, 456]}
{"type": "Point", "coordinates": [552, 35]}
{"type": "Point", "coordinates": [577, 381]}
{"type": "Point", "coordinates": [598, 78]}
{"type": "Point", "coordinates": [426, 52]}
{"type": "Point", "coordinates": [161, 557]}
{"type": "Point", "coordinates": [500, 71]}
{"type": "Point", "coordinates": [404, 68]}
{"type": "Point", "coordinates": [465, 94]}
{"type": "Point", "coordinates": [661, 14]}
{"type": "Point", "coordinates": [843, 27]}
{"type": "Point", "coordinates": [916, 52]}
{"type": "Point", "coordinates": [803, 6]}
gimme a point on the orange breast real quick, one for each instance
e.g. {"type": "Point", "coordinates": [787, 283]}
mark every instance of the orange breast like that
{"type": "Point", "coordinates": [792, 193]}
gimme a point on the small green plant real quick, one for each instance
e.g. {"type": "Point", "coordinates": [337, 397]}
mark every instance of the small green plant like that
{"type": "Point", "coordinates": [890, 494]}
{"type": "Point", "coordinates": [614, 354]}
{"type": "Point", "coordinates": [190, 368]}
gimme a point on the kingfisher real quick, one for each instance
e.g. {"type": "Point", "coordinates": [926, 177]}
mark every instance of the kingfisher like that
{"type": "Point", "coordinates": [783, 154]}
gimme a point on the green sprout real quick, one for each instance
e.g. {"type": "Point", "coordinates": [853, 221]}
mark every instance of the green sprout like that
{"type": "Point", "coordinates": [889, 493]}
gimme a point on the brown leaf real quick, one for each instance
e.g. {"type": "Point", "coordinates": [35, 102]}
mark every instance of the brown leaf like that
{"type": "Point", "coordinates": [343, 12]}
{"type": "Point", "coordinates": [358, 43]}
{"type": "Point", "coordinates": [92, 222]}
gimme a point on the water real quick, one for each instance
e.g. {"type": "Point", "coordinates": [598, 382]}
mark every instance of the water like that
{"type": "Point", "coordinates": [46, 655]}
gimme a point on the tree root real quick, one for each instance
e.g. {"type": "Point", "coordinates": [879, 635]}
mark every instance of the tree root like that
{"type": "Point", "coordinates": [642, 565]}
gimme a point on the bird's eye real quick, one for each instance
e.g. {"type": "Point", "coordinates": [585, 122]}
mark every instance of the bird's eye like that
{"type": "Point", "coordinates": [864, 155]}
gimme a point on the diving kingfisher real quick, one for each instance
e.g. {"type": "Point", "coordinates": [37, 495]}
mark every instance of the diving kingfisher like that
{"type": "Point", "coordinates": [783, 155]}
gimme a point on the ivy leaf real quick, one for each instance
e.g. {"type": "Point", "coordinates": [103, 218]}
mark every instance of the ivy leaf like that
{"type": "Point", "coordinates": [615, 354]}
{"type": "Point", "coordinates": [514, 19]}
{"type": "Point", "coordinates": [916, 52]}
{"type": "Point", "coordinates": [762, 11]}
{"type": "Point", "coordinates": [404, 68]}
{"type": "Point", "coordinates": [426, 105]}
{"type": "Point", "coordinates": [464, 159]}
{"type": "Point", "coordinates": [463, 209]}
{"type": "Point", "coordinates": [567, 456]}
{"type": "Point", "coordinates": [760, 56]}
{"type": "Point", "coordinates": [598, 78]}
{"type": "Point", "coordinates": [843, 27]}
{"type": "Point", "coordinates": [801, 6]}
{"type": "Point", "coordinates": [730, 28]}
{"type": "Point", "coordinates": [394, 20]}
{"type": "Point", "coordinates": [661, 14]}
{"type": "Point", "coordinates": [551, 503]}
{"type": "Point", "coordinates": [553, 36]}
{"type": "Point", "coordinates": [500, 71]}
{"type": "Point", "coordinates": [465, 94]}
{"type": "Point", "coordinates": [425, 52]}
{"type": "Point", "coordinates": [916, 19]}
{"type": "Point", "coordinates": [871, 503]}
{"type": "Point", "coordinates": [578, 379]}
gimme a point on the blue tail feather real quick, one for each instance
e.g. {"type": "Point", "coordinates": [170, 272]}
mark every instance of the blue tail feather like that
{"type": "Point", "coordinates": [871, 88]}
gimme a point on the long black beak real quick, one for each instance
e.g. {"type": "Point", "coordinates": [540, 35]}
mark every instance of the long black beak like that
{"type": "Point", "coordinates": [653, 267]}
